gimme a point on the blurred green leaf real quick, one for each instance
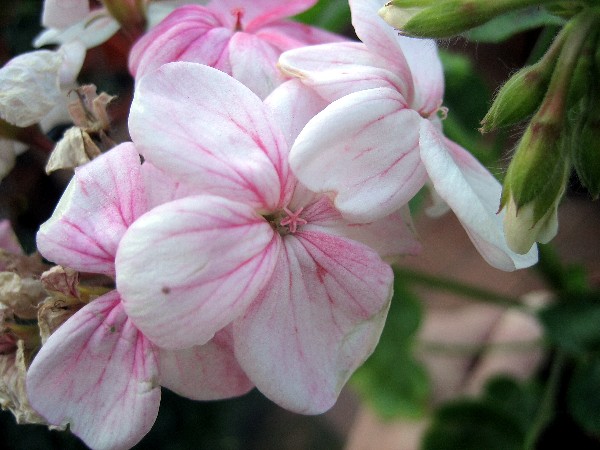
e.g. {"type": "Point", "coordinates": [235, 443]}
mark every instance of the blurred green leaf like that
{"type": "Point", "coordinates": [582, 396]}
{"type": "Point", "coordinates": [497, 421]}
{"type": "Point", "coordinates": [332, 15]}
{"type": "Point", "coordinates": [392, 381]}
{"type": "Point", "coordinates": [574, 324]}
{"type": "Point", "coordinates": [506, 25]}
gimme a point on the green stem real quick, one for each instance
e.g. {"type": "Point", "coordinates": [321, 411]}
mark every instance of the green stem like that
{"type": "Point", "coordinates": [456, 287]}
{"type": "Point", "coordinates": [547, 406]}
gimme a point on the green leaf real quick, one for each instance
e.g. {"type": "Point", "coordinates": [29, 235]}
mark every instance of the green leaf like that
{"type": "Point", "coordinates": [392, 381]}
{"type": "Point", "coordinates": [506, 25]}
{"type": "Point", "coordinates": [331, 15]}
{"type": "Point", "coordinates": [582, 397]}
{"type": "Point", "coordinates": [574, 324]}
{"type": "Point", "coordinates": [498, 420]}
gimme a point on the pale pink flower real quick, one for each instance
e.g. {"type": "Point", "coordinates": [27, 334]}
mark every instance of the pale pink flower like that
{"type": "Point", "coordinates": [243, 38]}
{"type": "Point", "coordinates": [306, 298]}
{"type": "Point", "coordinates": [98, 372]}
{"type": "Point", "coordinates": [380, 140]}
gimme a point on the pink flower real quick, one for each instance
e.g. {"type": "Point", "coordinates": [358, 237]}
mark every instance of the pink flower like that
{"type": "Point", "coordinates": [306, 297]}
{"type": "Point", "coordinates": [379, 141]}
{"type": "Point", "coordinates": [243, 38]}
{"type": "Point", "coordinates": [98, 372]}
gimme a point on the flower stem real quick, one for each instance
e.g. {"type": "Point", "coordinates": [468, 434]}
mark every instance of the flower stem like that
{"type": "Point", "coordinates": [456, 287]}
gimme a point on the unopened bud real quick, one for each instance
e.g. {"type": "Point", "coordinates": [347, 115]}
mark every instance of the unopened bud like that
{"type": "Point", "coordinates": [444, 18]}
{"type": "Point", "coordinates": [523, 93]}
{"type": "Point", "coordinates": [534, 184]}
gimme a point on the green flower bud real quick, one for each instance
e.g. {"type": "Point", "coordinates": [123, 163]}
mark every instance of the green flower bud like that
{"type": "Point", "coordinates": [534, 184]}
{"type": "Point", "coordinates": [444, 18]}
{"type": "Point", "coordinates": [523, 93]}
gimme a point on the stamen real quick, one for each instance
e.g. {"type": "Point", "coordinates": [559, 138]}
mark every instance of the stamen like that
{"type": "Point", "coordinates": [292, 220]}
{"type": "Point", "coordinates": [238, 13]}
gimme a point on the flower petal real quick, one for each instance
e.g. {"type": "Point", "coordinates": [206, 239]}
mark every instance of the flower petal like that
{"type": "Point", "coordinates": [104, 197]}
{"type": "Point", "coordinates": [8, 238]}
{"type": "Point", "coordinates": [380, 38]}
{"type": "Point", "coordinates": [253, 15]}
{"type": "Point", "coordinates": [293, 105]}
{"type": "Point", "coordinates": [345, 150]}
{"type": "Point", "coordinates": [338, 69]}
{"type": "Point", "coordinates": [208, 130]}
{"type": "Point", "coordinates": [317, 320]}
{"type": "Point", "coordinates": [391, 237]}
{"type": "Point", "coordinates": [286, 35]}
{"type": "Point", "coordinates": [189, 267]}
{"type": "Point", "coordinates": [253, 62]}
{"type": "Point", "coordinates": [98, 374]}
{"type": "Point", "coordinates": [205, 372]}
{"type": "Point", "coordinates": [190, 33]}
{"type": "Point", "coordinates": [473, 194]}
{"type": "Point", "coordinates": [62, 13]}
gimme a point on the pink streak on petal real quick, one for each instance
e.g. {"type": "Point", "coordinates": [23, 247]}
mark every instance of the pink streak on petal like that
{"type": "Point", "coordinates": [473, 194]}
{"type": "Point", "coordinates": [338, 69]}
{"type": "Point", "coordinates": [190, 33]}
{"type": "Point", "coordinates": [205, 372]}
{"type": "Point", "coordinates": [104, 197]}
{"type": "Point", "coordinates": [316, 321]}
{"type": "Point", "coordinates": [184, 121]}
{"type": "Point", "coordinates": [98, 373]}
{"type": "Point", "coordinates": [161, 188]}
{"type": "Point", "coordinates": [391, 237]}
{"type": "Point", "coordinates": [346, 150]}
{"type": "Point", "coordinates": [189, 267]}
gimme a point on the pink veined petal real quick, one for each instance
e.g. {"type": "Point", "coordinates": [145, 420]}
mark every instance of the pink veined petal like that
{"type": "Point", "coordinates": [317, 320]}
{"type": "Point", "coordinates": [286, 35]}
{"type": "Point", "coordinates": [428, 76]}
{"type": "Point", "coordinates": [189, 267]}
{"type": "Point", "coordinates": [8, 239]}
{"type": "Point", "coordinates": [391, 237]}
{"type": "Point", "coordinates": [341, 68]}
{"type": "Point", "coordinates": [346, 150]}
{"type": "Point", "coordinates": [293, 105]}
{"type": "Point", "coordinates": [473, 194]}
{"type": "Point", "coordinates": [99, 374]}
{"type": "Point", "coordinates": [253, 63]}
{"type": "Point", "coordinates": [190, 33]}
{"type": "Point", "coordinates": [381, 39]}
{"type": "Point", "coordinates": [62, 13]}
{"type": "Point", "coordinates": [206, 129]}
{"type": "Point", "coordinates": [205, 372]}
{"type": "Point", "coordinates": [104, 197]}
{"type": "Point", "coordinates": [253, 14]}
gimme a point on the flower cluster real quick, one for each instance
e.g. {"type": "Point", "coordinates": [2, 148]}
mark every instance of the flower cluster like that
{"type": "Point", "coordinates": [251, 243]}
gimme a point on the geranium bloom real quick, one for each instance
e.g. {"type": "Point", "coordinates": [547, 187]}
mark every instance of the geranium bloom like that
{"type": "Point", "coordinates": [97, 372]}
{"type": "Point", "coordinates": [243, 38]}
{"type": "Point", "coordinates": [379, 141]}
{"type": "Point", "coordinates": [307, 300]}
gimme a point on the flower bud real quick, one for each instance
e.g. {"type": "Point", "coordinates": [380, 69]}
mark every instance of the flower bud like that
{"type": "Point", "coordinates": [444, 18]}
{"type": "Point", "coordinates": [523, 93]}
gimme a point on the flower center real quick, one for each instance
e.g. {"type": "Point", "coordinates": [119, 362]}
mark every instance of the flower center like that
{"type": "Point", "coordinates": [286, 222]}
{"type": "Point", "coordinates": [238, 13]}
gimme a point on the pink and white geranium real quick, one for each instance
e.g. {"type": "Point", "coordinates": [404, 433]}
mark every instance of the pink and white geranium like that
{"type": "Point", "coordinates": [98, 372]}
{"type": "Point", "coordinates": [380, 140]}
{"type": "Point", "coordinates": [243, 38]}
{"type": "Point", "coordinates": [306, 298]}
